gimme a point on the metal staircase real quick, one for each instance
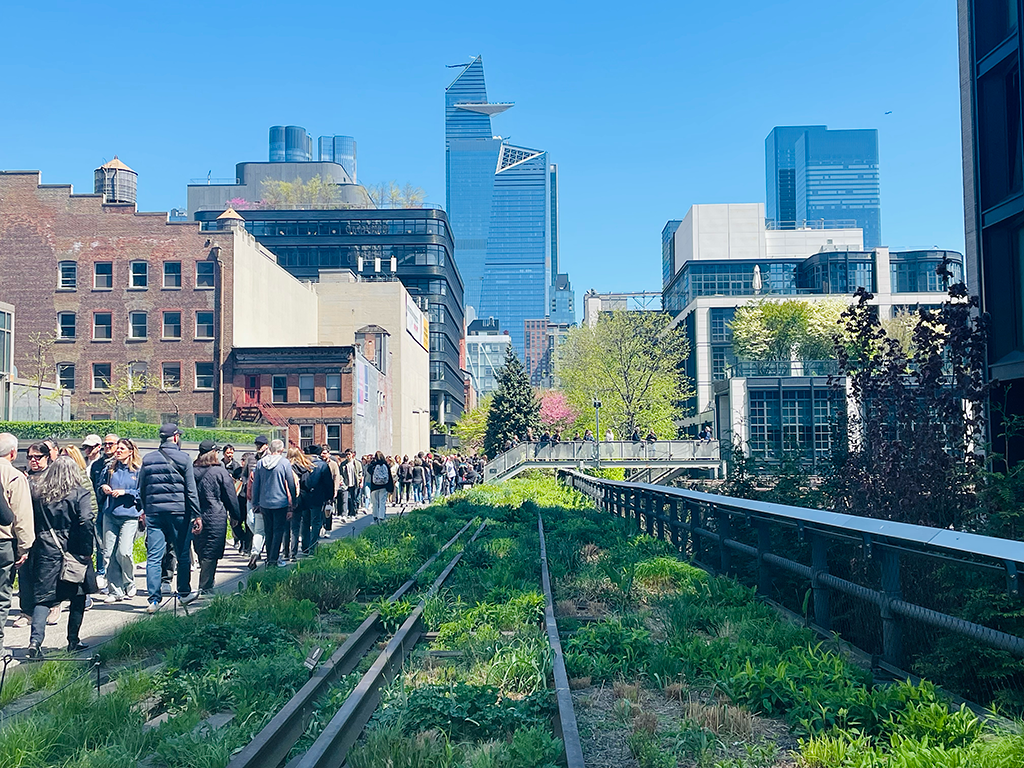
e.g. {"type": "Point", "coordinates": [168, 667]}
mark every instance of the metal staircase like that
{"type": "Point", "coordinates": [250, 407]}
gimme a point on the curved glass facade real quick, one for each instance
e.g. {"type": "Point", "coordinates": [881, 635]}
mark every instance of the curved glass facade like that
{"type": "Point", "coordinates": [916, 271]}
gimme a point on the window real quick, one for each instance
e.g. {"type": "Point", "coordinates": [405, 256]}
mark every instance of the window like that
{"type": "Point", "coordinates": [204, 375]}
{"type": "Point", "coordinates": [333, 387]}
{"type": "Point", "coordinates": [139, 275]}
{"type": "Point", "coordinates": [138, 375]}
{"type": "Point", "coordinates": [102, 326]}
{"type": "Point", "coordinates": [172, 274]}
{"type": "Point", "coordinates": [170, 376]}
{"type": "Point", "coordinates": [103, 277]}
{"type": "Point", "coordinates": [205, 420]}
{"type": "Point", "coordinates": [334, 437]}
{"type": "Point", "coordinates": [172, 325]}
{"type": "Point", "coordinates": [67, 276]}
{"type": "Point", "coordinates": [306, 390]}
{"type": "Point", "coordinates": [66, 325]}
{"type": "Point", "coordinates": [204, 326]}
{"type": "Point", "coordinates": [66, 376]}
{"type": "Point", "coordinates": [305, 435]}
{"type": "Point", "coordinates": [205, 274]}
{"type": "Point", "coordinates": [101, 376]}
{"type": "Point", "coordinates": [279, 386]}
{"type": "Point", "coordinates": [138, 325]}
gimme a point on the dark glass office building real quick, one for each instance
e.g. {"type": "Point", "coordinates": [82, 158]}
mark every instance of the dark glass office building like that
{"type": "Point", "coordinates": [993, 144]}
{"type": "Point", "coordinates": [413, 243]}
{"type": "Point", "coordinates": [815, 174]}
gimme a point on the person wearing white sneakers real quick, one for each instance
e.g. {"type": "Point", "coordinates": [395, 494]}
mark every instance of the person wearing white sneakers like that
{"type": "Point", "coordinates": [119, 488]}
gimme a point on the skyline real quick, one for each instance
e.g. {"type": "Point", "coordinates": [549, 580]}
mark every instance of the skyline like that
{"type": "Point", "coordinates": [613, 99]}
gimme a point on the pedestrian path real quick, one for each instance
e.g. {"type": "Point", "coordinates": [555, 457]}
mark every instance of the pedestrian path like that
{"type": "Point", "coordinates": [103, 620]}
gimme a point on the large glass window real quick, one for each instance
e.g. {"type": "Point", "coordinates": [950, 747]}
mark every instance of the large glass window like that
{"type": "Point", "coordinates": [333, 387]}
{"type": "Point", "coordinates": [66, 376]}
{"type": "Point", "coordinates": [204, 375]}
{"type": "Point", "coordinates": [172, 325]}
{"type": "Point", "coordinates": [101, 376]}
{"type": "Point", "coordinates": [205, 274]}
{"type": "Point", "coordinates": [172, 274]}
{"type": "Point", "coordinates": [66, 325]}
{"type": "Point", "coordinates": [102, 326]}
{"type": "Point", "coordinates": [170, 376]}
{"type": "Point", "coordinates": [204, 326]}
{"type": "Point", "coordinates": [103, 277]}
{"type": "Point", "coordinates": [138, 325]}
{"type": "Point", "coordinates": [139, 275]}
{"type": "Point", "coordinates": [279, 388]}
{"type": "Point", "coordinates": [67, 276]}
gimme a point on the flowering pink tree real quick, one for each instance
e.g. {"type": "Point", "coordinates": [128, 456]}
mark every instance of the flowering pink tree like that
{"type": "Point", "coordinates": [556, 412]}
{"type": "Point", "coordinates": [240, 204]}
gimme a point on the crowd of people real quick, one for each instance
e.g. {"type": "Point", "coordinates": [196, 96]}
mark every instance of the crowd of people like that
{"type": "Point", "coordinates": [68, 525]}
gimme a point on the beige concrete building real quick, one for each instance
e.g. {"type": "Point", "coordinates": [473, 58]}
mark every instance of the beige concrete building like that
{"type": "Point", "coordinates": [346, 306]}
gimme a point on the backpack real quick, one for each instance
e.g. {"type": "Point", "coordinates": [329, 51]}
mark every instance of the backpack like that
{"type": "Point", "coordinates": [380, 475]}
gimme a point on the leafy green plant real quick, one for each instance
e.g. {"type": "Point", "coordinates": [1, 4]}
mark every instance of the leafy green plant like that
{"type": "Point", "coordinates": [392, 615]}
{"type": "Point", "coordinates": [534, 747]}
{"type": "Point", "coordinates": [648, 752]}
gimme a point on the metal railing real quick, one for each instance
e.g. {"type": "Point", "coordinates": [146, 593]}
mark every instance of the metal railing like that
{"type": "Point", "coordinates": [615, 451]}
{"type": "Point", "coordinates": [900, 592]}
{"type": "Point", "coordinates": [213, 182]}
{"type": "Point", "coordinates": [771, 224]}
{"type": "Point", "coordinates": [752, 368]}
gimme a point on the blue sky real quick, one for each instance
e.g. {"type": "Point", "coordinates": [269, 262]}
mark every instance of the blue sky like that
{"type": "Point", "coordinates": [646, 107]}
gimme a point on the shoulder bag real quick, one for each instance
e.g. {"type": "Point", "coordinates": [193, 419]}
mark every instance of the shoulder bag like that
{"type": "Point", "coordinates": [72, 570]}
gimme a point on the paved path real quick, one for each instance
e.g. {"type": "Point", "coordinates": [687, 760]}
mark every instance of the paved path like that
{"type": "Point", "coordinates": [104, 619]}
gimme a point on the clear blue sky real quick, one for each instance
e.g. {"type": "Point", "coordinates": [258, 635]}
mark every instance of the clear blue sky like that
{"type": "Point", "coordinates": [646, 107]}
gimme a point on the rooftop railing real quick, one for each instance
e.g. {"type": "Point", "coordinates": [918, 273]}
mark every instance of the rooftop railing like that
{"type": "Point", "coordinates": [753, 368]}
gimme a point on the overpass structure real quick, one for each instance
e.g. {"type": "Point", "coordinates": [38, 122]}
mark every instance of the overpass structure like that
{"type": "Point", "coordinates": [666, 456]}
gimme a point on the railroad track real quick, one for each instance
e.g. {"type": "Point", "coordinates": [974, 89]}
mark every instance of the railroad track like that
{"type": "Point", "coordinates": [331, 748]}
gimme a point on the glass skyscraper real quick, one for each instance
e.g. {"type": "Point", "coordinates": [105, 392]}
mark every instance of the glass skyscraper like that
{"type": "Point", "coordinates": [813, 174]}
{"type": "Point", "coordinates": [502, 203]}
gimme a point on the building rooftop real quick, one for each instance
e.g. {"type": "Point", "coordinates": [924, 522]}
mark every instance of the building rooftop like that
{"type": "Point", "coordinates": [116, 164]}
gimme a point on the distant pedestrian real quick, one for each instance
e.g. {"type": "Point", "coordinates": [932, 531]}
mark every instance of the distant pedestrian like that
{"type": "Point", "coordinates": [418, 479]}
{"type": "Point", "coordinates": [405, 476]}
{"type": "Point", "coordinates": [167, 488]}
{"type": "Point", "coordinates": [381, 483]}
{"type": "Point", "coordinates": [253, 519]}
{"type": "Point", "coordinates": [218, 501]}
{"type": "Point", "coordinates": [609, 436]}
{"type": "Point", "coordinates": [273, 493]}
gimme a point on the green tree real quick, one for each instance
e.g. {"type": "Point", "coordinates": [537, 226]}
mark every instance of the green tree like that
{"type": "Point", "coordinates": [514, 407]}
{"type": "Point", "coordinates": [472, 426]}
{"type": "Point", "coordinates": [387, 194]}
{"type": "Point", "coordinates": [778, 330]}
{"type": "Point", "coordinates": [633, 363]}
{"type": "Point", "coordinates": [317, 193]}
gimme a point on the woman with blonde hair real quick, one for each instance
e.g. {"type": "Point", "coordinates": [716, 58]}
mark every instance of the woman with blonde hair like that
{"type": "Point", "coordinates": [119, 485]}
{"type": "Point", "coordinates": [298, 517]}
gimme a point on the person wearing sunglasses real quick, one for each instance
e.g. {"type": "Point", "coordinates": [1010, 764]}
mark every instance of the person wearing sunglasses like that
{"type": "Point", "coordinates": [97, 472]}
{"type": "Point", "coordinates": [38, 455]}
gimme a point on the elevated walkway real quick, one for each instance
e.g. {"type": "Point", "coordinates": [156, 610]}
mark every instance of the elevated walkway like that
{"type": "Point", "coordinates": [666, 455]}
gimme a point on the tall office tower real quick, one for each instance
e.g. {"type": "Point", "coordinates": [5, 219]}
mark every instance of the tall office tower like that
{"type": "Point", "coordinates": [501, 202]}
{"type": "Point", "coordinates": [815, 175]}
{"type": "Point", "coordinates": [340, 150]}
{"type": "Point", "coordinates": [290, 144]}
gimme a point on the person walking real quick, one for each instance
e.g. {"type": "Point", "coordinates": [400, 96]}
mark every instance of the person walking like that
{"type": "Point", "coordinates": [327, 519]}
{"type": "Point", "coordinates": [381, 483]}
{"type": "Point", "coordinates": [298, 516]}
{"type": "Point", "coordinates": [167, 489]}
{"type": "Point", "coordinates": [253, 519]}
{"type": "Point", "coordinates": [59, 566]}
{"type": "Point", "coordinates": [18, 535]}
{"type": "Point", "coordinates": [97, 470]}
{"type": "Point", "coordinates": [120, 491]}
{"type": "Point", "coordinates": [319, 490]}
{"type": "Point", "coordinates": [273, 494]}
{"type": "Point", "coordinates": [351, 473]}
{"type": "Point", "coordinates": [218, 500]}
{"type": "Point", "coordinates": [405, 476]}
{"type": "Point", "coordinates": [417, 481]}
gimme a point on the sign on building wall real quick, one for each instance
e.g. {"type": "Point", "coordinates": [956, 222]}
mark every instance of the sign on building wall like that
{"type": "Point", "coordinates": [362, 385]}
{"type": "Point", "coordinates": [416, 323]}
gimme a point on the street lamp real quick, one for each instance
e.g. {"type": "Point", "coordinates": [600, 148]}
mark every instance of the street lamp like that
{"type": "Point", "coordinates": [597, 431]}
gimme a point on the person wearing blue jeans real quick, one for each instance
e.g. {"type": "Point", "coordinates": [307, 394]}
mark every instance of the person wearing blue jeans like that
{"type": "Point", "coordinates": [167, 489]}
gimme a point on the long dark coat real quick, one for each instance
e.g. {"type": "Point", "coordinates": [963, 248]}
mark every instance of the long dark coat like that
{"type": "Point", "coordinates": [71, 521]}
{"type": "Point", "coordinates": [216, 497]}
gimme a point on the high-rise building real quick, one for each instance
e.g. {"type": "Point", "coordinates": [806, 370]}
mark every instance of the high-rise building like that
{"type": "Point", "coordinates": [991, 102]}
{"type": "Point", "coordinates": [563, 306]}
{"type": "Point", "coordinates": [485, 354]}
{"type": "Point", "coordinates": [290, 144]}
{"type": "Point", "coordinates": [814, 174]}
{"type": "Point", "coordinates": [340, 150]}
{"type": "Point", "coordinates": [502, 202]}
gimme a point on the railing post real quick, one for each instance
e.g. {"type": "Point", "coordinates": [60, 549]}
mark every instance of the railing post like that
{"type": "Point", "coordinates": [649, 512]}
{"type": "Point", "coordinates": [819, 565]}
{"type": "Point", "coordinates": [673, 507]}
{"type": "Point", "coordinates": [660, 514]}
{"type": "Point", "coordinates": [724, 532]}
{"type": "Point", "coordinates": [892, 633]}
{"type": "Point", "coordinates": [696, 540]}
{"type": "Point", "coordinates": [764, 546]}
{"type": "Point", "coordinates": [634, 495]}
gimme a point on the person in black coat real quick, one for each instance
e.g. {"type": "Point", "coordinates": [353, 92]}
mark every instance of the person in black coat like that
{"type": "Point", "coordinates": [217, 501]}
{"type": "Point", "coordinates": [64, 524]}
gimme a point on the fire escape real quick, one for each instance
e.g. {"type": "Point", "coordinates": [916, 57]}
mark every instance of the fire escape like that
{"type": "Point", "coordinates": [251, 407]}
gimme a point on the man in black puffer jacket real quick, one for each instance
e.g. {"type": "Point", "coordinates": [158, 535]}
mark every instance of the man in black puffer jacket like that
{"type": "Point", "coordinates": [167, 488]}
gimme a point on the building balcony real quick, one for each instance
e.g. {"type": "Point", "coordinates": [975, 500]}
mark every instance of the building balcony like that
{"type": "Point", "coordinates": [746, 369]}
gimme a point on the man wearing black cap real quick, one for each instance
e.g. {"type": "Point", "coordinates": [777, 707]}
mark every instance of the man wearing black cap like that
{"type": "Point", "coordinates": [167, 488]}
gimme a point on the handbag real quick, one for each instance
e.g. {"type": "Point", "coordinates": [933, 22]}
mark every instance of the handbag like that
{"type": "Point", "coordinates": [72, 570]}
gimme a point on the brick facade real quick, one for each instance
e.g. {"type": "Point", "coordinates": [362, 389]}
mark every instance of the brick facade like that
{"type": "Point", "coordinates": [43, 226]}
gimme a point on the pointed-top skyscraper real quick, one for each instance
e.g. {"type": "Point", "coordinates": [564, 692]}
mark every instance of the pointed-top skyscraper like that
{"type": "Point", "coordinates": [502, 205]}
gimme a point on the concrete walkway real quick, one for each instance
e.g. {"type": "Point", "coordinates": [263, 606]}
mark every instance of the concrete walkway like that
{"type": "Point", "coordinates": [103, 620]}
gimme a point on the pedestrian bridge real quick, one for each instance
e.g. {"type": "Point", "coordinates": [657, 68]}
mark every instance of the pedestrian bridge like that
{"type": "Point", "coordinates": [666, 456]}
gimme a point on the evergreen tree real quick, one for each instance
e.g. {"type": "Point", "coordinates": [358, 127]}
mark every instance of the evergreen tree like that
{"type": "Point", "coordinates": [514, 408]}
